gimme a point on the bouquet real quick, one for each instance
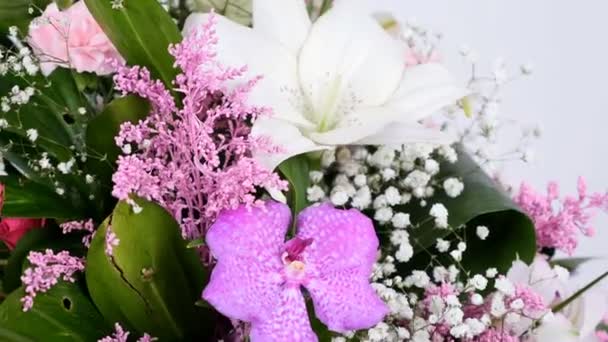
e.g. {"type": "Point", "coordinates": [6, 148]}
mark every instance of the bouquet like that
{"type": "Point", "coordinates": [216, 170]}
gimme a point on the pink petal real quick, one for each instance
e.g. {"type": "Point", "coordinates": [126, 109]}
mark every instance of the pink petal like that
{"type": "Point", "coordinates": [342, 239]}
{"type": "Point", "coordinates": [257, 232]}
{"type": "Point", "coordinates": [289, 322]}
{"type": "Point", "coordinates": [245, 289]}
{"type": "Point", "coordinates": [344, 300]}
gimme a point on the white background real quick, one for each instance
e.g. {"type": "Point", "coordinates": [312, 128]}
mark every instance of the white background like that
{"type": "Point", "coordinates": [567, 95]}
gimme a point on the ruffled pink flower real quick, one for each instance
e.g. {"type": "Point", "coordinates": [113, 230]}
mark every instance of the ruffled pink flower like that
{"type": "Point", "coordinates": [258, 276]}
{"type": "Point", "coordinates": [73, 39]}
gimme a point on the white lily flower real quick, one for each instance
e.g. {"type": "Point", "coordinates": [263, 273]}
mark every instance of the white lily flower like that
{"type": "Point", "coordinates": [341, 80]}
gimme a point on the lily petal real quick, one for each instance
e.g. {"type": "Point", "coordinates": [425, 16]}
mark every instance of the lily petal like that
{"type": "Point", "coordinates": [348, 56]}
{"type": "Point", "coordinates": [289, 322]}
{"type": "Point", "coordinates": [285, 21]}
{"type": "Point", "coordinates": [285, 136]}
{"type": "Point", "coordinates": [425, 89]}
{"type": "Point", "coordinates": [403, 133]}
{"type": "Point", "coordinates": [263, 57]}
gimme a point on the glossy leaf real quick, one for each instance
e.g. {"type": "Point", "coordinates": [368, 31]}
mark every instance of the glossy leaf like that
{"type": "Point", "coordinates": [482, 202]}
{"type": "Point", "coordinates": [15, 13]}
{"type": "Point", "coordinates": [64, 313]}
{"type": "Point", "coordinates": [296, 170]}
{"type": "Point", "coordinates": [236, 10]}
{"type": "Point", "coordinates": [152, 281]}
{"type": "Point", "coordinates": [25, 198]}
{"type": "Point", "coordinates": [142, 32]}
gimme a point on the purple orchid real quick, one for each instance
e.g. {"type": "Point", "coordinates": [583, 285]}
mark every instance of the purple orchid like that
{"type": "Point", "coordinates": [258, 276]}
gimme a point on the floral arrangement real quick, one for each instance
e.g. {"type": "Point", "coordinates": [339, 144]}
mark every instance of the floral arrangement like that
{"type": "Point", "coordinates": [270, 171]}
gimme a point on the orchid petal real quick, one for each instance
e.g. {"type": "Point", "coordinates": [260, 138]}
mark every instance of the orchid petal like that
{"type": "Point", "coordinates": [348, 56]}
{"type": "Point", "coordinates": [425, 89]}
{"type": "Point", "coordinates": [289, 321]}
{"type": "Point", "coordinates": [401, 133]}
{"type": "Point", "coordinates": [285, 21]}
{"type": "Point", "coordinates": [344, 300]}
{"type": "Point", "coordinates": [342, 239]}
{"type": "Point", "coordinates": [284, 136]}
{"type": "Point", "coordinates": [257, 232]}
{"type": "Point", "coordinates": [264, 57]}
{"type": "Point", "coordinates": [244, 288]}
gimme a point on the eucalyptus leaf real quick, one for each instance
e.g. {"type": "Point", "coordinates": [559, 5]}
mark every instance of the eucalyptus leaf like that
{"type": "Point", "coordinates": [64, 313]}
{"type": "Point", "coordinates": [151, 281]}
{"type": "Point", "coordinates": [142, 31]}
{"type": "Point", "coordinates": [482, 203]}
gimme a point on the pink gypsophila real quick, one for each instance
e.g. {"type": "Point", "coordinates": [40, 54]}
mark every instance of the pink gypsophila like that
{"type": "Point", "coordinates": [120, 335]}
{"type": "Point", "coordinates": [86, 226]}
{"type": "Point", "coordinates": [258, 276]}
{"type": "Point", "coordinates": [558, 221]}
{"type": "Point", "coordinates": [195, 160]}
{"type": "Point", "coordinates": [45, 271]}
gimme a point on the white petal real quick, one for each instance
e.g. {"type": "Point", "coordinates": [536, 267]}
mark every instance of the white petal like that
{"type": "Point", "coordinates": [349, 56]}
{"type": "Point", "coordinates": [401, 133]}
{"type": "Point", "coordinates": [285, 21]}
{"type": "Point", "coordinates": [362, 123]}
{"type": "Point", "coordinates": [424, 90]}
{"type": "Point", "coordinates": [240, 46]}
{"type": "Point", "coordinates": [285, 136]}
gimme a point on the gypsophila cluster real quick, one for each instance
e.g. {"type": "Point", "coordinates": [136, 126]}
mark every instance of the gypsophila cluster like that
{"type": "Point", "coordinates": [196, 160]}
{"type": "Point", "coordinates": [45, 271]}
{"type": "Point", "coordinates": [120, 335]}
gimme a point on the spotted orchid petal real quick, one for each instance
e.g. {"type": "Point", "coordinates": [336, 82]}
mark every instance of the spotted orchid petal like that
{"type": "Point", "coordinates": [343, 250]}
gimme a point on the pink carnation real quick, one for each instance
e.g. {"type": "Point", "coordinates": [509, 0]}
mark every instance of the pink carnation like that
{"type": "Point", "coordinates": [72, 39]}
{"type": "Point", "coordinates": [194, 159]}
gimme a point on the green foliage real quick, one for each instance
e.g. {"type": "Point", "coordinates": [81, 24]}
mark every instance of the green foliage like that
{"type": "Point", "coordinates": [64, 313]}
{"type": "Point", "coordinates": [483, 202]}
{"type": "Point", "coordinates": [295, 170]}
{"type": "Point", "coordinates": [15, 13]}
{"type": "Point", "coordinates": [236, 10]}
{"type": "Point", "coordinates": [152, 280]}
{"type": "Point", "coordinates": [142, 32]}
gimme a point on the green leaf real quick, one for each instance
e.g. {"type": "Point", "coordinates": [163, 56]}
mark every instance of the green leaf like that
{"type": "Point", "coordinates": [64, 313]}
{"type": "Point", "coordinates": [236, 10]}
{"type": "Point", "coordinates": [142, 32]}
{"type": "Point", "coordinates": [155, 279]}
{"type": "Point", "coordinates": [15, 13]}
{"type": "Point", "coordinates": [37, 240]}
{"type": "Point", "coordinates": [484, 203]}
{"type": "Point", "coordinates": [25, 198]}
{"type": "Point", "coordinates": [196, 243]}
{"type": "Point", "coordinates": [320, 329]}
{"type": "Point", "coordinates": [565, 303]}
{"type": "Point", "coordinates": [296, 170]}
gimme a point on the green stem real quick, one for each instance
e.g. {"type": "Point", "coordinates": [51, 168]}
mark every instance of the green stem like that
{"type": "Point", "coordinates": [325, 7]}
{"type": "Point", "coordinates": [578, 293]}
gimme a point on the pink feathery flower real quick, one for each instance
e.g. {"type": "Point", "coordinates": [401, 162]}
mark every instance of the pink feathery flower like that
{"type": "Point", "coordinates": [534, 305]}
{"type": "Point", "coordinates": [558, 221]}
{"type": "Point", "coordinates": [258, 276]}
{"type": "Point", "coordinates": [195, 159]}
{"type": "Point", "coordinates": [111, 241]}
{"type": "Point", "coordinates": [120, 335]}
{"type": "Point", "coordinates": [495, 335]}
{"type": "Point", "coordinates": [45, 271]}
{"type": "Point", "coordinates": [602, 336]}
{"type": "Point", "coordinates": [86, 226]}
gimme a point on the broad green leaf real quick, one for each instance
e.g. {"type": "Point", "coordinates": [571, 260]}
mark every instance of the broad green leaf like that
{"type": "Point", "coordinates": [25, 198]}
{"type": "Point", "coordinates": [296, 170]}
{"type": "Point", "coordinates": [236, 10]}
{"type": "Point", "coordinates": [152, 281]}
{"type": "Point", "coordinates": [565, 303]}
{"type": "Point", "coordinates": [102, 147]}
{"type": "Point", "coordinates": [484, 203]}
{"type": "Point", "coordinates": [142, 32]}
{"type": "Point", "coordinates": [64, 313]}
{"type": "Point", "coordinates": [15, 13]}
{"type": "Point", "coordinates": [37, 240]}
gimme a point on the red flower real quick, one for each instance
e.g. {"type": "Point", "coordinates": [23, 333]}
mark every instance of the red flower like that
{"type": "Point", "coordinates": [12, 229]}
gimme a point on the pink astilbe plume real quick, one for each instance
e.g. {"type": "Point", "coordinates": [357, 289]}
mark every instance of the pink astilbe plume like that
{"type": "Point", "coordinates": [87, 226]}
{"type": "Point", "coordinates": [120, 335]}
{"type": "Point", "coordinates": [195, 160]}
{"type": "Point", "coordinates": [559, 221]}
{"type": "Point", "coordinates": [45, 271]}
